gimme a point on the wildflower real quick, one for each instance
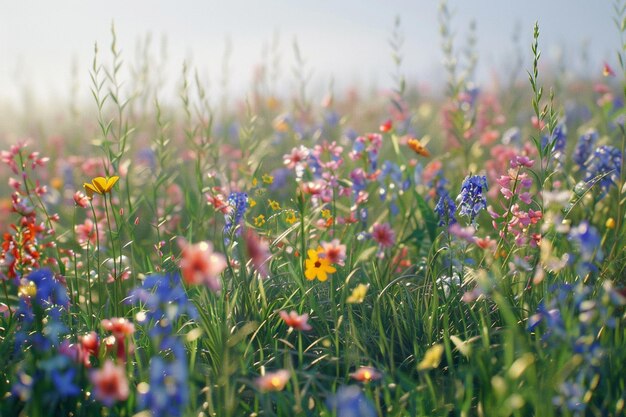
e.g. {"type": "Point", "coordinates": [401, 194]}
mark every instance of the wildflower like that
{"type": "Point", "coordinates": [259, 220]}
{"type": "Point", "coordinates": [27, 290]}
{"type": "Point", "coordinates": [167, 393]}
{"type": "Point", "coordinates": [334, 252]}
{"type": "Point", "coordinates": [386, 126]}
{"type": "Point", "coordinates": [383, 235]}
{"type": "Point", "coordinates": [351, 402]}
{"type": "Point", "coordinates": [317, 267]}
{"type": "Point", "coordinates": [588, 240]}
{"type": "Point", "coordinates": [121, 328]}
{"type": "Point", "coordinates": [110, 383]}
{"type": "Point", "coordinates": [252, 202]}
{"type": "Point", "coordinates": [81, 199]}
{"type": "Point", "coordinates": [100, 185]}
{"type": "Point", "coordinates": [432, 358]}
{"type": "Point", "coordinates": [472, 199]}
{"type": "Point", "coordinates": [86, 233]}
{"type": "Point", "coordinates": [583, 149]}
{"type": "Point", "coordinates": [366, 374]}
{"type": "Point", "coordinates": [417, 147]}
{"type": "Point", "coordinates": [237, 206]}
{"type": "Point", "coordinates": [358, 294]}
{"type": "Point", "coordinates": [446, 209]}
{"type": "Point", "coordinates": [295, 321]}
{"type": "Point", "coordinates": [267, 179]}
{"type": "Point", "coordinates": [610, 223]}
{"type": "Point", "coordinates": [326, 213]}
{"type": "Point", "coordinates": [607, 70]}
{"type": "Point", "coordinates": [258, 252]}
{"type": "Point", "coordinates": [199, 264]}
{"type": "Point", "coordinates": [290, 216]}
{"type": "Point", "coordinates": [273, 381]}
{"type": "Point", "coordinates": [604, 167]}
{"type": "Point", "coordinates": [274, 205]}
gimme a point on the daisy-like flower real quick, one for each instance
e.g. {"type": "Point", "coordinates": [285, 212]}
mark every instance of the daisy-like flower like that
{"type": "Point", "coordinates": [366, 374]}
{"type": "Point", "coordinates": [432, 358]}
{"type": "Point", "coordinates": [317, 267]}
{"type": "Point", "coordinates": [358, 294]}
{"type": "Point", "coordinates": [274, 205]}
{"type": "Point", "coordinates": [273, 381]}
{"type": "Point", "coordinates": [110, 383]}
{"type": "Point", "coordinates": [417, 147]}
{"type": "Point", "coordinates": [290, 217]}
{"type": "Point", "coordinates": [295, 321]}
{"type": "Point", "coordinates": [334, 251]}
{"type": "Point", "coordinates": [100, 185]}
{"type": "Point", "coordinates": [383, 235]}
{"type": "Point", "coordinates": [200, 265]}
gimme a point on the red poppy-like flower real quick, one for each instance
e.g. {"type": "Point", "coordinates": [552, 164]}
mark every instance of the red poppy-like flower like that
{"type": "Point", "coordinates": [110, 383]}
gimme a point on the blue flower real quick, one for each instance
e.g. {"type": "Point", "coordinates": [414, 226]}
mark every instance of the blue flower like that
{"type": "Point", "coordinates": [446, 210]}
{"type": "Point", "coordinates": [587, 239]}
{"type": "Point", "coordinates": [350, 402]}
{"type": "Point", "coordinates": [557, 140]}
{"type": "Point", "coordinates": [604, 167]}
{"type": "Point", "coordinates": [583, 149]}
{"type": "Point", "coordinates": [238, 202]}
{"type": "Point", "coordinates": [472, 198]}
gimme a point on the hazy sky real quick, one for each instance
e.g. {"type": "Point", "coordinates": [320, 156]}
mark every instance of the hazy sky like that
{"type": "Point", "coordinates": [343, 39]}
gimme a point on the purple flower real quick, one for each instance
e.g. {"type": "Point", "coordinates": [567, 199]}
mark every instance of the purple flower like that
{"type": "Point", "coordinates": [472, 197]}
{"type": "Point", "coordinates": [446, 210]}
{"type": "Point", "coordinates": [238, 203]}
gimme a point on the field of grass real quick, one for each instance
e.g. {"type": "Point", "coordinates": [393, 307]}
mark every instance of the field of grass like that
{"type": "Point", "coordinates": [388, 254]}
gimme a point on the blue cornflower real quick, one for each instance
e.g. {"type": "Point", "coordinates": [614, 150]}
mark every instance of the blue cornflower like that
{"type": "Point", "coordinates": [588, 239]}
{"type": "Point", "coordinates": [391, 183]}
{"type": "Point", "coordinates": [165, 300]}
{"type": "Point", "coordinates": [472, 197]}
{"type": "Point", "coordinates": [583, 149]}
{"type": "Point", "coordinates": [446, 209]}
{"type": "Point", "coordinates": [604, 167]}
{"type": "Point", "coordinates": [238, 202]}
{"type": "Point", "coordinates": [351, 402]}
{"type": "Point", "coordinates": [167, 394]}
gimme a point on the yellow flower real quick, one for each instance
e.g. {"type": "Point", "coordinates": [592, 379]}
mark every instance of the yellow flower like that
{"type": "Point", "coordinates": [251, 202]}
{"type": "Point", "coordinates": [254, 182]}
{"type": "Point", "coordinates": [274, 205]}
{"type": "Point", "coordinates": [259, 220]}
{"type": "Point", "coordinates": [432, 358]}
{"type": "Point", "coordinates": [317, 267]}
{"type": "Point", "coordinates": [291, 217]}
{"type": "Point", "coordinates": [267, 179]}
{"type": "Point", "coordinates": [358, 294]}
{"type": "Point", "coordinates": [326, 214]}
{"type": "Point", "coordinates": [100, 185]}
{"type": "Point", "coordinates": [610, 223]}
{"type": "Point", "coordinates": [27, 290]}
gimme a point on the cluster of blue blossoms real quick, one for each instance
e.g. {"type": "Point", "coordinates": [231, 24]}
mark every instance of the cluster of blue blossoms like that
{"type": "Point", "coordinates": [238, 202]}
{"type": "Point", "coordinates": [165, 302]}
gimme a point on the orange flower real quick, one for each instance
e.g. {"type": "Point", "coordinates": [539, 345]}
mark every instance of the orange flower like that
{"type": "Point", "coordinates": [366, 374]}
{"type": "Point", "coordinates": [417, 147]}
{"type": "Point", "coordinates": [295, 321]}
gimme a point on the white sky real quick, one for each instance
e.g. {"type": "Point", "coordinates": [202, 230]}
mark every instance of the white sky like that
{"type": "Point", "coordinates": [343, 39]}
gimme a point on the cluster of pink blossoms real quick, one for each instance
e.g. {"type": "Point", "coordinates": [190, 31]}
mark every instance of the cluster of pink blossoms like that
{"type": "Point", "coordinates": [516, 219]}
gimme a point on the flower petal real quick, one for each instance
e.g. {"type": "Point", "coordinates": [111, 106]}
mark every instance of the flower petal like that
{"type": "Point", "coordinates": [99, 184]}
{"type": "Point", "coordinates": [111, 182]}
{"type": "Point", "coordinates": [90, 189]}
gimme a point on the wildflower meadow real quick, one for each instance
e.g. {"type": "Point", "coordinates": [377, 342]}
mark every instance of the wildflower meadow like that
{"type": "Point", "coordinates": [381, 253]}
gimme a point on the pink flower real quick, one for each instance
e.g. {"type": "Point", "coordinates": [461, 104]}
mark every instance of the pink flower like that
{"type": "Point", "coordinates": [120, 328]}
{"type": "Point", "coordinates": [86, 233]}
{"type": "Point", "coordinates": [258, 252]}
{"type": "Point", "coordinates": [295, 321]}
{"type": "Point", "coordinates": [383, 235]}
{"type": "Point", "coordinates": [110, 383]}
{"type": "Point", "coordinates": [81, 199]}
{"type": "Point", "coordinates": [334, 251]}
{"type": "Point", "coordinates": [297, 157]}
{"type": "Point", "coordinates": [273, 381]}
{"type": "Point", "coordinates": [200, 265]}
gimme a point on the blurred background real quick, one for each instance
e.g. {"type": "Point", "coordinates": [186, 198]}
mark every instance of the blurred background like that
{"type": "Point", "coordinates": [47, 47]}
